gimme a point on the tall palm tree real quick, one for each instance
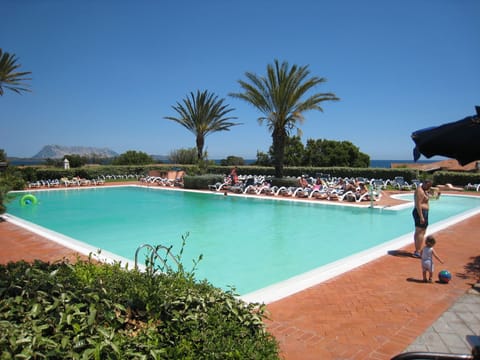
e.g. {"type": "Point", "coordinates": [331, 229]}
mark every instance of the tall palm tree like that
{"type": "Point", "coordinates": [279, 97]}
{"type": "Point", "coordinates": [202, 114]}
{"type": "Point", "coordinates": [9, 79]}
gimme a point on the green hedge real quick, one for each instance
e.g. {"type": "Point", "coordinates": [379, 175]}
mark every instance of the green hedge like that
{"type": "Point", "coordinates": [455, 178]}
{"type": "Point", "coordinates": [91, 172]}
{"type": "Point", "coordinates": [216, 173]}
{"type": "Point", "coordinates": [100, 311]}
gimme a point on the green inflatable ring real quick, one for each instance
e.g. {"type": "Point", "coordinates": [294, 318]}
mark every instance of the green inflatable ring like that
{"type": "Point", "coordinates": [28, 199]}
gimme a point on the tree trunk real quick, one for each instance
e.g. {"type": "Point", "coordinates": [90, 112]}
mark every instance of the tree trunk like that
{"type": "Point", "coordinates": [200, 144]}
{"type": "Point", "coordinates": [279, 137]}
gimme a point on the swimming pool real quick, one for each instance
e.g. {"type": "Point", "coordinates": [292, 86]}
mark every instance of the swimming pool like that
{"type": "Point", "coordinates": [249, 243]}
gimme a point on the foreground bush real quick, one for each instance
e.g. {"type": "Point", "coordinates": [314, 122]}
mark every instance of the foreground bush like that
{"type": "Point", "coordinates": [91, 311]}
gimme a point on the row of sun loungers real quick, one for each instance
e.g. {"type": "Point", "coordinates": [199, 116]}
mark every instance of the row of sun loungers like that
{"type": "Point", "coordinates": [77, 181]}
{"type": "Point", "coordinates": [176, 180]}
{"type": "Point", "coordinates": [65, 182]}
{"type": "Point", "coordinates": [471, 187]}
{"type": "Point", "coordinates": [157, 180]}
{"type": "Point", "coordinates": [310, 193]}
{"type": "Point", "coordinates": [121, 177]}
{"type": "Point", "coordinates": [171, 178]}
{"type": "Point", "coordinates": [259, 185]}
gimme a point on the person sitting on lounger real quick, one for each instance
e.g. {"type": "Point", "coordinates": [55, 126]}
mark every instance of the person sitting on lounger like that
{"type": "Point", "coordinates": [362, 189]}
{"type": "Point", "coordinates": [320, 184]}
{"type": "Point", "coordinates": [234, 176]}
{"type": "Point", "coordinates": [303, 183]}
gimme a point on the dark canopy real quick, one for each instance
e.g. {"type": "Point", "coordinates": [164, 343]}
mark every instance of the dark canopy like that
{"type": "Point", "coordinates": [459, 140]}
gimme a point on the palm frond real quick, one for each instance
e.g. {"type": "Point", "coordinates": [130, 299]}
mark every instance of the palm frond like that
{"type": "Point", "coordinates": [203, 113]}
{"type": "Point", "coordinates": [281, 96]}
{"type": "Point", "coordinates": [9, 77]}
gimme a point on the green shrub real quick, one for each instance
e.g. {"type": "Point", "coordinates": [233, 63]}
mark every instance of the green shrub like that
{"type": "Point", "coordinates": [184, 156]}
{"type": "Point", "coordinates": [132, 158]}
{"type": "Point", "coordinates": [455, 178]}
{"type": "Point", "coordinates": [232, 161]}
{"type": "Point", "coordinates": [10, 180]}
{"type": "Point", "coordinates": [101, 311]}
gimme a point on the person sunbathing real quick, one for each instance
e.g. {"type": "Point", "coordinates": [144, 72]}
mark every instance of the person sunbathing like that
{"type": "Point", "coordinates": [450, 187]}
{"type": "Point", "coordinates": [362, 192]}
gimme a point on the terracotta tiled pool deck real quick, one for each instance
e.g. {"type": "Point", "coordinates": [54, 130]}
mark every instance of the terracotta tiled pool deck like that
{"type": "Point", "coordinates": [378, 309]}
{"type": "Point", "coordinates": [372, 312]}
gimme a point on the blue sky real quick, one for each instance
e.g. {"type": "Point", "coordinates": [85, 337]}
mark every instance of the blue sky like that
{"type": "Point", "coordinates": [105, 73]}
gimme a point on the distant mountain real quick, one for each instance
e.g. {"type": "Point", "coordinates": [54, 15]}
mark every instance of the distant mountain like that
{"type": "Point", "coordinates": [59, 151]}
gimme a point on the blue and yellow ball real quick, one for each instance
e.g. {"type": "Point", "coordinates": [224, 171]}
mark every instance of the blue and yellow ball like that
{"type": "Point", "coordinates": [444, 276]}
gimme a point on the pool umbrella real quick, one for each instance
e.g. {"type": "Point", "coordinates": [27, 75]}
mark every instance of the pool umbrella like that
{"type": "Point", "coordinates": [459, 140]}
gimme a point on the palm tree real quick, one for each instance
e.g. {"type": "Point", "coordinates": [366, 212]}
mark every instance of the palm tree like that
{"type": "Point", "coordinates": [202, 114]}
{"type": "Point", "coordinates": [279, 97]}
{"type": "Point", "coordinates": [8, 77]}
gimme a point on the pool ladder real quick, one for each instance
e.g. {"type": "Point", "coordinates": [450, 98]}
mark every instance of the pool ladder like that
{"type": "Point", "coordinates": [154, 255]}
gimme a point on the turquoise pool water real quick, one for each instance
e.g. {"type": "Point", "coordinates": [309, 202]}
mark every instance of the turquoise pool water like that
{"type": "Point", "coordinates": [247, 243]}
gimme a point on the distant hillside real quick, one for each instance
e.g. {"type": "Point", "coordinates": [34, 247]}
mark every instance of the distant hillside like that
{"type": "Point", "coordinates": [59, 151]}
